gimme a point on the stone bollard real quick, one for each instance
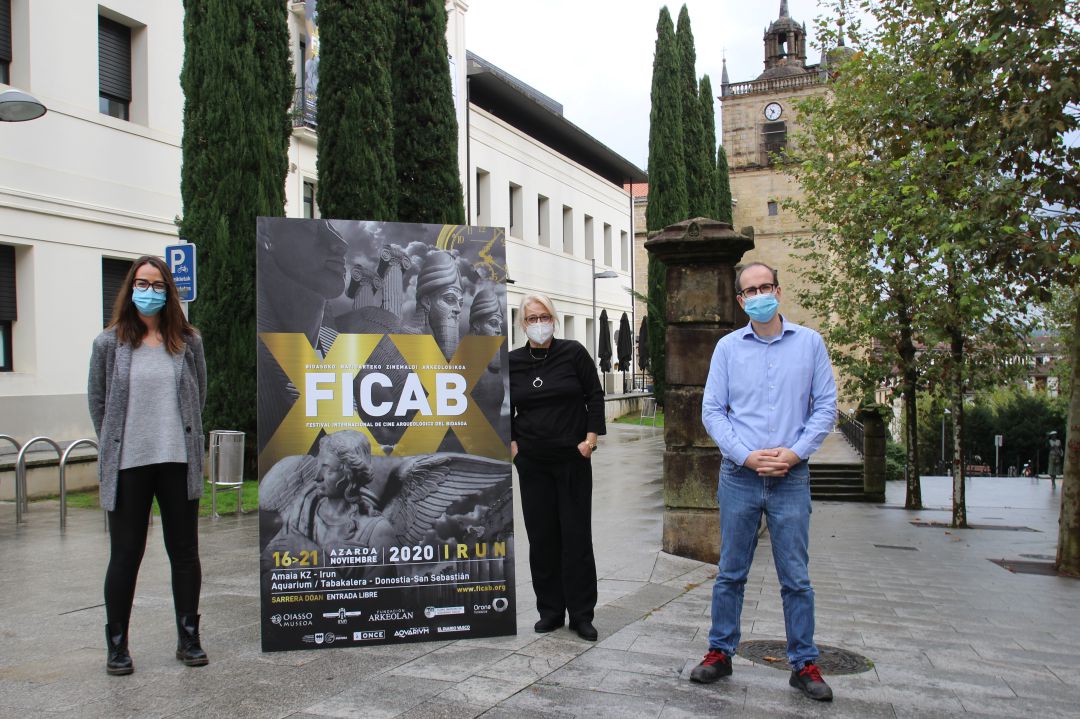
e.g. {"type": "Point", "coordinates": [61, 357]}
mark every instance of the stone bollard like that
{"type": "Point", "coordinates": [700, 256]}
{"type": "Point", "coordinates": [873, 453]}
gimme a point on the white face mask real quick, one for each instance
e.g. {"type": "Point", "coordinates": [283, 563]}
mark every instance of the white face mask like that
{"type": "Point", "coordinates": [541, 332]}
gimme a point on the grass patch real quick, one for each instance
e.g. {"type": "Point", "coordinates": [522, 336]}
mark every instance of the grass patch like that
{"type": "Point", "coordinates": [635, 418]}
{"type": "Point", "coordinates": [226, 500]}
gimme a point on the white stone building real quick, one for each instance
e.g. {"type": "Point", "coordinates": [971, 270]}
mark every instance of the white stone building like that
{"type": "Point", "coordinates": [95, 183]}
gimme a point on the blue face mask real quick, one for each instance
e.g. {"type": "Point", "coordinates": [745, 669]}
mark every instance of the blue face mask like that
{"type": "Point", "coordinates": [147, 301]}
{"type": "Point", "coordinates": [761, 308]}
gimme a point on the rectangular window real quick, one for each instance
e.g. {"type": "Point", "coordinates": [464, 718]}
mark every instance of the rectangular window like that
{"type": "Point", "coordinates": [5, 41]}
{"type": "Point", "coordinates": [774, 140]}
{"type": "Point", "coordinates": [624, 251]}
{"type": "Point", "coordinates": [543, 221]}
{"type": "Point", "coordinates": [607, 244]}
{"type": "Point", "coordinates": [483, 198]}
{"type": "Point", "coordinates": [311, 210]}
{"type": "Point", "coordinates": [569, 330]}
{"type": "Point", "coordinates": [8, 304]}
{"type": "Point", "coordinates": [568, 229]}
{"type": "Point", "coordinates": [590, 249]}
{"type": "Point", "coordinates": [517, 215]}
{"type": "Point", "coordinates": [512, 330]}
{"type": "Point", "coordinates": [774, 209]}
{"type": "Point", "coordinates": [113, 273]}
{"type": "Point", "coordinates": [114, 68]}
{"type": "Point", "coordinates": [590, 339]}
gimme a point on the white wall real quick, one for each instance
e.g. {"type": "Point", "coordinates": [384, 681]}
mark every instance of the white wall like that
{"type": "Point", "coordinates": [76, 186]}
{"type": "Point", "coordinates": [508, 156]}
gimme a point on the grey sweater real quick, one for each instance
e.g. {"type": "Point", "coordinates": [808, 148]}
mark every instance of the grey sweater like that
{"type": "Point", "coordinates": [107, 394]}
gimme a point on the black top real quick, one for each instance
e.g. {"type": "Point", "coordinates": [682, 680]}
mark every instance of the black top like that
{"type": "Point", "coordinates": [555, 396]}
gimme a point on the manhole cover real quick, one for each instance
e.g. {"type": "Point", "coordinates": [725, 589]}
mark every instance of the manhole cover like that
{"type": "Point", "coordinates": [833, 660]}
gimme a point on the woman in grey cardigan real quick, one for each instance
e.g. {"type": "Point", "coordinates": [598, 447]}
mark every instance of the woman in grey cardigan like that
{"type": "Point", "coordinates": [146, 391]}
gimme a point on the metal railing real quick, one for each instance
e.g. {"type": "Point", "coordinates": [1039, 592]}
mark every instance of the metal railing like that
{"type": "Point", "coordinates": [302, 115]}
{"type": "Point", "coordinates": [63, 481]}
{"type": "Point", "coordinates": [852, 429]}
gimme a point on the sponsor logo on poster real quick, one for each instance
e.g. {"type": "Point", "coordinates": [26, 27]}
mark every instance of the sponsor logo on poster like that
{"type": "Point", "coordinates": [498, 604]}
{"type": "Point", "coordinates": [293, 619]}
{"type": "Point", "coordinates": [390, 615]}
{"type": "Point", "coordinates": [432, 612]}
{"type": "Point", "coordinates": [369, 635]}
{"type": "Point", "coordinates": [412, 632]}
{"type": "Point", "coordinates": [341, 615]}
{"type": "Point", "coordinates": [453, 628]}
{"type": "Point", "coordinates": [325, 638]}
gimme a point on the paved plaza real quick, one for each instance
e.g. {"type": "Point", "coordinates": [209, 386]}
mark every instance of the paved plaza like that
{"type": "Point", "coordinates": [948, 632]}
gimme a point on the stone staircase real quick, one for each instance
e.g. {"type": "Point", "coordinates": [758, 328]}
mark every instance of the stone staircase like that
{"type": "Point", "coordinates": [836, 472]}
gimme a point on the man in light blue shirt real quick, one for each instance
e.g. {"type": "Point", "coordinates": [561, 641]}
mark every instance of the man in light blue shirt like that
{"type": "Point", "coordinates": [769, 402]}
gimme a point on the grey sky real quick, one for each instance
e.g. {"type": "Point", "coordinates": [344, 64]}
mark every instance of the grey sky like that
{"type": "Point", "coordinates": [595, 56]}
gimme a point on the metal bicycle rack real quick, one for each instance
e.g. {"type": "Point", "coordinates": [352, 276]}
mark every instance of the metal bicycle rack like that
{"type": "Point", "coordinates": [22, 500]}
{"type": "Point", "coordinates": [22, 503]}
{"type": "Point", "coordinates": [63, 483]}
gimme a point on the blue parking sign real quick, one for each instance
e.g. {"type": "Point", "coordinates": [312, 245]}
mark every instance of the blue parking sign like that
{"type": "Point", "coordinates": [181, 262]}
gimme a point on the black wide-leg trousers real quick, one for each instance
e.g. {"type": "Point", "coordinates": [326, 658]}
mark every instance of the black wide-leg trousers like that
{"type": "Point", "coordinates": [556, 500]}
{"type": "Point", "coordinates": [128, 524]}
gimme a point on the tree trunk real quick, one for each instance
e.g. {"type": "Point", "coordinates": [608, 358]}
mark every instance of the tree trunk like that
{"type": "Point", "coordinates": [959, 510]}
{"type": "Point", "coordinates": [1068, 550]}
{"type": "Point", "coordinates": [910, 380]}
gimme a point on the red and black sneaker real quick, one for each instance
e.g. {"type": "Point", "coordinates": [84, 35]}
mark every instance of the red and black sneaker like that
{"type": "Point", "coordinates": [808, 680]}
{"type": "Point", "coordinates": [715, 665]}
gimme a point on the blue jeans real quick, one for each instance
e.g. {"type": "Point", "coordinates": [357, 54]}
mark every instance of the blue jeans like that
{"type": "Point", "coordinates": [743, 496]}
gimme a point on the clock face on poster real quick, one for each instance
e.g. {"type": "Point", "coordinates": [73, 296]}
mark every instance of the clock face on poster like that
{"type": "Point", "coordinates": [773, 111]}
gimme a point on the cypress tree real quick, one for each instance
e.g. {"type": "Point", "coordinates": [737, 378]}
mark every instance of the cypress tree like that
{"type": "Point", "coordinates": [725, 212]}
{"type": "Point", "coordinates": [667, 181]}
{"type": "Point", "coordinates": [425, 126]}
{"type": "Point", "coordinates": [698, 182]}
{"type": "Point", "coordinates": [357, 179]}
{"type": "Point", "coordinates": [708, 124]}
{"type": "Point", "coordinates": [237, 89]}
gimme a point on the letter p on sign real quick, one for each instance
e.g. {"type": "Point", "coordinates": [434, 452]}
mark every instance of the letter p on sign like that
{"type": "Point", "coordinates": [181, 262]}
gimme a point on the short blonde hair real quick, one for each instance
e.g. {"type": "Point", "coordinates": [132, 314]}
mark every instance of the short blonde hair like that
{"type": "Point", "coordinates": [541, 299]}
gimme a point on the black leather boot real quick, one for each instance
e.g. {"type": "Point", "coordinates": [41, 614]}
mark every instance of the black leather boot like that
{"type": "Point", "coordinates": [119, 661]}
{"type": "Point", "coordinates": [188, 649]}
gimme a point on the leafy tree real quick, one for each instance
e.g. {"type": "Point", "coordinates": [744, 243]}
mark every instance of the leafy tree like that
{"type": "Point", "coordinates": [667, 180]}
{"type": "Point", "coordinates": [357, 176]}
{"type": "Point", "coordinates": [941, 206]}
{"type": "Point", "coordinates": [698, 159]}
{"type": "Point", "coordinates": [425, 126]}
{"type": "Point", "coordinates": [1015, 62]}
{"type": "Point", "coordinates": [237, 90]}
{"type": "Point", "coordinates": [711, 206]}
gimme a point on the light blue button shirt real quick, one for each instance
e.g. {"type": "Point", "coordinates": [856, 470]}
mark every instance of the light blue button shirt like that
{"type": "Point", "coordinates": [766, 392]}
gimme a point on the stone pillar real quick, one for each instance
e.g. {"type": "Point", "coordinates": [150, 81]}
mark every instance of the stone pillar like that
{"type": "Point", "coordinates": [873, 453]}
{"type": "Point", "coordinates": [700, 256]}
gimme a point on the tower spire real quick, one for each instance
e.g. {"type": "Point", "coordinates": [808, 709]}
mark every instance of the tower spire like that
{"type": "Point", "coordinates": [841, 21]}
{"type": "Point", "coordinates": [783, 9]}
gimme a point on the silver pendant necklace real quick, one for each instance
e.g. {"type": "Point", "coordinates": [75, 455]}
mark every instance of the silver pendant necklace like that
{"type": "Point", "coordinates": [537, 382]}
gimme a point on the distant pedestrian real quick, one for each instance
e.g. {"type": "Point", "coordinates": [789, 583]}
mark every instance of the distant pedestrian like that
{"type": "Point", "coordinates": [557, 412]}
{"type": "Point", "coordinates": [769, 402]}
{"type": "Point", "coordinates": [146, 390]}
{"type": "Point", "coordinates": [1055, 454]}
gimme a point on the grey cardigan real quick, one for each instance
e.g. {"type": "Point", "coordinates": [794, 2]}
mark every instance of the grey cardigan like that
{"type": "Point", "coordinates": [107, 393]}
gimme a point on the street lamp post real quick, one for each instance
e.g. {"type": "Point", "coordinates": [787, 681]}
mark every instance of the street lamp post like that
{"type": "Point", "coordinates": [606, 274]}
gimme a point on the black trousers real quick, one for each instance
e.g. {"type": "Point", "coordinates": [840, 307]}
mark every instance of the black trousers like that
{"type": "Point", "coordinates": [128, 524]}
{"type": "Point", "coordinates": [556, 500]}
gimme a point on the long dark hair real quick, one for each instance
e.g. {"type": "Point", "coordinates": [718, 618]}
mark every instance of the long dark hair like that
{"type": "Point", "coordinates": [125, 317]}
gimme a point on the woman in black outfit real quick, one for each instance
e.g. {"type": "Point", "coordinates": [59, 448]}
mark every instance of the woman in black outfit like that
{"type": "Point", "coordinates": [557, 412]}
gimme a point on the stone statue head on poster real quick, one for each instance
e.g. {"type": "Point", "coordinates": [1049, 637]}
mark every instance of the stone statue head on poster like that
{"type": "Point", "coordinates": [439, 299]}
{"type": "Point", "coordinates": [485, 315]}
